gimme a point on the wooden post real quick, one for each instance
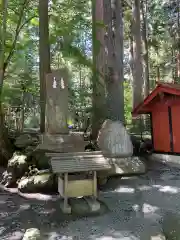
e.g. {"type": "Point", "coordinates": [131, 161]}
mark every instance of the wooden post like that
{"type": "Point", "coordinates": [65, 190]}
{"type": "Point", "coordinates": [95, 183]}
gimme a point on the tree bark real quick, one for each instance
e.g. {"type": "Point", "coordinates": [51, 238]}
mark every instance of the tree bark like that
{"type": "Point", "coordinates": [158, 74]}
{"type": "Point", "coordinates": [138, 82]}
{"type": "Point", "coordinates": [131, 53]}
{"type": "Point", "coordinates": [44, 54]}
{"type": "Point", "coordinates": [22, 112]}
{"type": "Point", "coordinates": [145, 43]}
{"type": "Point", "coordinates": [178, 39]}
{"type": "Point", "coordinates": [6, 150]}
{"type": "Point", "coordinates": [5, 146]}
{"type": "Point", "coordinates": [98, 33]}
{"type": "Point", "coordinates": [114, 70]}
{"type": "Point", "coordinates": [3, 44]}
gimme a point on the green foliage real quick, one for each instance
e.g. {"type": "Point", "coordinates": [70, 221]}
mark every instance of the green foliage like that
{"type": "Point", "coordinates": [128, 101]}
{"type": "Point", "coordinates": [71, 45]}
{"type": "Point", "coordinates": [163, 41]}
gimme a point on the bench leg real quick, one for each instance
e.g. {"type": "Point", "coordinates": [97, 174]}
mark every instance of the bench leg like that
{"type": "Point", "coordinates": [92, 200]}
{"type": "Point", "coordinates": [95, 184]}
{"type": "Point", "coordinates": [66, 207]}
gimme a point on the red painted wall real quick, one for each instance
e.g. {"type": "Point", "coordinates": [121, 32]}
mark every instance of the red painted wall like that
{"type": "Point", "coordinates": [161, 136]}
{"type": "Point", "coordinates": [160, 118]}
{"type": "Point", "coordinates": [175, 108]}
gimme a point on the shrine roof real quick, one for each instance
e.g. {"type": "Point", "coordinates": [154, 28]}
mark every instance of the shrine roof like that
{"type": "Point", "coordinates": [168, 88]}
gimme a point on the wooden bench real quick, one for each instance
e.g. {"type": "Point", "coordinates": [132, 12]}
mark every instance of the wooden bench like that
{"type": "Point", "coordinates": [77, 173]}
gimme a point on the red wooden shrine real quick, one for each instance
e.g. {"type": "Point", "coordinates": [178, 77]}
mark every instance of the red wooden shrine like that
{"type": "Point", "coordinates": [163, 105]}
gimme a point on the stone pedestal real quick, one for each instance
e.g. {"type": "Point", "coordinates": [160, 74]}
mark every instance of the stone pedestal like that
{"type": "Point", "coordinates": [62, 143]}
{"type": "Point", "coordinates": [123, 167]}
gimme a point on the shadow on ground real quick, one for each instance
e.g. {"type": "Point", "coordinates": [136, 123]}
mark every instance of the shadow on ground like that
{"type": "Point", "coordinates": [136, 205]}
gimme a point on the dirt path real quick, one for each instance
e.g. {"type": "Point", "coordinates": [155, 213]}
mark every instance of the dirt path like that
{"type": "Point", "coordinates": [136, 204]}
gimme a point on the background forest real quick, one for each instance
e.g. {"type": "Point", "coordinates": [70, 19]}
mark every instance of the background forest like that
{"type": "Point", "coordinates": [136, 42]}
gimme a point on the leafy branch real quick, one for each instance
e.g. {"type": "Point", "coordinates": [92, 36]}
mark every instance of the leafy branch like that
{"type": "Point", "coordinates": [19, 27]}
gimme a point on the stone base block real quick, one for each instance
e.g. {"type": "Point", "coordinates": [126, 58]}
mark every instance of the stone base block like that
{"type": "Point", "coordinates": [65, 209]}
{"type": "Point", "coordinates": [93, 204]}
{"type": "Point", "coordinates": [158, 237]}
{"type": "Point", "coordinates": [71, 142]}
{"type": "Point", "coordinates": [87, 206]}
{"type": "Point", "coordinates": [124, 166]}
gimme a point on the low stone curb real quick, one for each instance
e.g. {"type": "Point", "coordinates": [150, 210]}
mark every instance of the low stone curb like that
{"type": "Point", "coordinates": [170, 160]}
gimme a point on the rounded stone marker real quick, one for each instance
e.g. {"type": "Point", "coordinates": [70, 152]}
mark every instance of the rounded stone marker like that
{"type": "Point", "coordinates": [114, 140]}
{"type": "Point", "coordinates": [32, 234]}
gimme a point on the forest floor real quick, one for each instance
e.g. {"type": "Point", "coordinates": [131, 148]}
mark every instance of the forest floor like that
{"type": "Point", "coordinates": [136, 206]}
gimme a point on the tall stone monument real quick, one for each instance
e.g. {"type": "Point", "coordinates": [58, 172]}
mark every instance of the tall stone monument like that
{"type": "Point", "coordinates": [57, 102]}
{"type": "Point", "coordinates": [57, 137]}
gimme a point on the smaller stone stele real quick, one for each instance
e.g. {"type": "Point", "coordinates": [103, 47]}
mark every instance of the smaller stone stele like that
{"type": "Point", "coordinates": [32, 234]}
{"type": "Point", "coordinates": [114, 140]}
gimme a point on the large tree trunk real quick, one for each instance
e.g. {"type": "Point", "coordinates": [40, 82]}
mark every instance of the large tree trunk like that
{"type": "Point", "coordinates": [138, 88]}
{"type": "Point", "coordinates": [3, 43]}
{"type": "Point", "coordinates": [22, 112]}
{"type": "Point", "coordinates": [44, 54]}
{"type": "Point", "coordinates": [145, 43]}
{"type": "Point", "coordinates": [158, 76]}
{"type": "Point", "coordinates": [98, 68]}
{"type": "Point", "coordinates": [131, 53]}
{"type": "Point", "coordinates": [5, 146]}
{"type": "Point", "coordinates": [114, 70]}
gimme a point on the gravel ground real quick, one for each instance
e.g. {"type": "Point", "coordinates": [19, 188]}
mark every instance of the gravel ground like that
{"type": "Point", "coordinates": [136, 206]}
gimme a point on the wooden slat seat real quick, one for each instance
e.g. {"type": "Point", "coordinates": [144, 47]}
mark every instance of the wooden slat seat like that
{"type": "Point", "coordinates": [70, 164]}
{"type": "Point", "coordinates": [94, 153]}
